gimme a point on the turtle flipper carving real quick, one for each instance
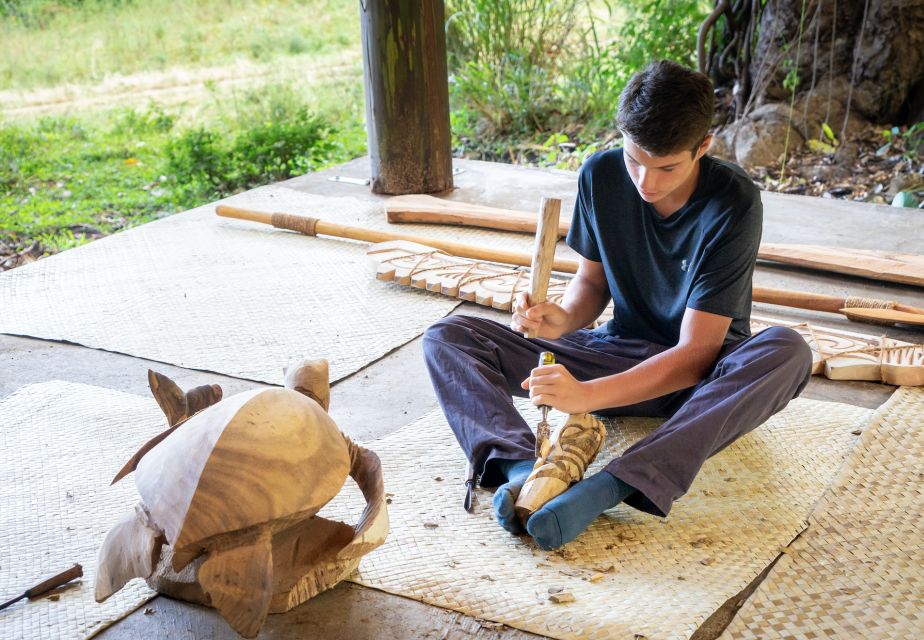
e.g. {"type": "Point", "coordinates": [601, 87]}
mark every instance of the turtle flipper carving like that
{"type": "Point", "coordinates": [176, 404]}
{"type": "Point", "coordinates": [131, 550]}
{"type": "Point", "coordinates": [239, 582]}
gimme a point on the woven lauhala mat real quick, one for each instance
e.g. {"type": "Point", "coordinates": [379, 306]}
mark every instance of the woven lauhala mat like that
{"type": "Point", "coordinates": [858, 571]}
{"type": "Point", "coordinates": [630, 573]}
{"type": "Point", "coordinates": [60, 446]}
{"type": "Point", "coordinates": [238, 298]}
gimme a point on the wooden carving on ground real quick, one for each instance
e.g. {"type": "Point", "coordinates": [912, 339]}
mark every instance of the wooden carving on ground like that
{"type": "Point", "coordinates": [845, 355]}
{"type": "Point", "coordinates": [229, 499]}
{"type": "Point", "coordinates": [484, 283]}
{"type": "Point", "coordinates": [563, 461]}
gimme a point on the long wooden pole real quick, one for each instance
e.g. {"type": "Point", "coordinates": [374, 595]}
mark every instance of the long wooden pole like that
{"type": "Point", "coordinates": [314, 227]}
{"type": "Point", "coordinates": [888, 312]}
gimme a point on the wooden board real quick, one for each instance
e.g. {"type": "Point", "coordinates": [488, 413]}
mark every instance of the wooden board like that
{"type": "Point", "coordinates": [838, 355]}
{"type": "Point", "coordinates": [906, 268]}
{"type": "Point", "coordinates": [428, 209]}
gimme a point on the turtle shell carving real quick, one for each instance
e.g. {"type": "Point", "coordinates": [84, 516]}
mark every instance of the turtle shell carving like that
{"type": "Point", "coordinates": [226, 489]}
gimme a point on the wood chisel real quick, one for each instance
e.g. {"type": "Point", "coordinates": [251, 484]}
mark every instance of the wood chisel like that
{"type": "Point", "coordinates": [543, 429]}
{"type": "Point", "coordinates": [45, 586]}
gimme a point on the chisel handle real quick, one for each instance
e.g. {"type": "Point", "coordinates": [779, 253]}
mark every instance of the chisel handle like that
{"type": "Point", "coordinates": [55, 581]}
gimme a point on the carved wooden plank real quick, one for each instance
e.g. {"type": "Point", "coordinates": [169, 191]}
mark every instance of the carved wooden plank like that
{"type": "Point", "coordinates": [423, 267]}
{"type": "Point", "coordinates": [845, 355]}
{"type": "Point", "coordinates": [837, 354]}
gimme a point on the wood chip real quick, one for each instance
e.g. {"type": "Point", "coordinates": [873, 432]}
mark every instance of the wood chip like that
{"type": "Point", "coordinates": [561, 598]}
{"type": "Point", "coordinates": [491, 626]}
{"type": "Point", "coordinates": [597, 577]}
{"type": "Point", "coordinates": [609, 568]}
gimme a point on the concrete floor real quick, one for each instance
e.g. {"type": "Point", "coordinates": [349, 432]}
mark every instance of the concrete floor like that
{"type": "Point", "coordinates": [352, 612]}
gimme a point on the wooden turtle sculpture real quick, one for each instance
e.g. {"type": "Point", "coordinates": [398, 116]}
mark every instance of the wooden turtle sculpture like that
{"type": "Point", "coordinates": [229, 497]}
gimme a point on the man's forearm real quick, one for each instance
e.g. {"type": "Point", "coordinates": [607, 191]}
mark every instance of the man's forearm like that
{"type": "Point", "coordinates": [584, 301]}
{"type": "Point", "coordinates": [677, 368]}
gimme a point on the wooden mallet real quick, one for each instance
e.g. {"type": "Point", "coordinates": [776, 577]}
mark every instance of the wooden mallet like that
{"type": "Point", "coordinates": [543, 253]}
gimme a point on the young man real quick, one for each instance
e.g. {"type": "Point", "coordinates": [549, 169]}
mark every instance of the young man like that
{"type": "Point", "coordinates": [671, 236]}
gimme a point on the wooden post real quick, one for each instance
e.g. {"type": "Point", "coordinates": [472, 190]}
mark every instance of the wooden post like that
{"type": "Point", "coordinates": [407, 95]}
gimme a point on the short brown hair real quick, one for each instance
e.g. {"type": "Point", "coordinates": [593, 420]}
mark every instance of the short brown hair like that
{"type": "Point", "coordinates": [666, 108]}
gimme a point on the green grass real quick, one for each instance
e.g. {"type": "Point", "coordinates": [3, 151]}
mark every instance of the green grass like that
{"type": "Point", "coordinates": [45, 43]}
{"type": "Point", "coordinates": [67, 180]}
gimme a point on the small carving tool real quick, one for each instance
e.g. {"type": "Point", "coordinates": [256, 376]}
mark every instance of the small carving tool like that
{"type": "Point", "coordinates": [47, 585]}
{"type": "Point", "coordinates": [543, 428]}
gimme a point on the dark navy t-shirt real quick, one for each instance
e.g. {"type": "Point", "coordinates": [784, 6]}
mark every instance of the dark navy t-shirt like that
{"type": "Point", "coordinates": [702, 256]}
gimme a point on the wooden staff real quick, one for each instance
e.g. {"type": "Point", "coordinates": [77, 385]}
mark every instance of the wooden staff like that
{"type": "Point", "coordinates": [314, 227]}
{"type": "Point", "coordinates": [543, 253]}
{"type": "Point", "coordinates": [873, 310]}
{"type": "Point", "coordinates": [855, 308]}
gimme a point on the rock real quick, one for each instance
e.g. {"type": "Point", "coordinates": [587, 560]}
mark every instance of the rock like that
{"type": "Point", "coordinates": [904, 182]}
{"type": "Point", "coordinates": [846, 155]}
{"type": "Point", "coordinates": [825, 173]}
{"type": "Point", "coordinates": [825, 104]}
{"type": "Point", "coordinates": [723, 144]}
{"type": "Point", "coordinates": [762, 134]}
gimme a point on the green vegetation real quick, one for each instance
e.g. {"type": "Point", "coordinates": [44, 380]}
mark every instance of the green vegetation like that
{"type": "Point", "coordinates": [65, 180]}
{"type": "Point", "coordinates": [538, 81]}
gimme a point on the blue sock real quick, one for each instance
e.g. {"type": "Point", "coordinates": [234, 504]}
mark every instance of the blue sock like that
{"type": "Point", "coordinates": [564, 517]}
{"type": "Point", "coordinates": [516, 472]}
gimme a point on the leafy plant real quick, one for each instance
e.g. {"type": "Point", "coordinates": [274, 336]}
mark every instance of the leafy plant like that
{"type": "Point", "coordinates": [907, 142]}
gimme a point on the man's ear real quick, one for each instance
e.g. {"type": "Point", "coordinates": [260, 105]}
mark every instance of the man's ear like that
{"type": "Point", "coordinates": [704, 147]}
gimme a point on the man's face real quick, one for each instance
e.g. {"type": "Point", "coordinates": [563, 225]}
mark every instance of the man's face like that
{"type": "Point", "coordinates": [663, 179]}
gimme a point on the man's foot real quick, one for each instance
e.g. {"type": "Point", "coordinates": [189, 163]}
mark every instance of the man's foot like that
{"type": "Point", "coordinates": [516, 472]}
{"type": "Point", "coordinates": [564, 517]}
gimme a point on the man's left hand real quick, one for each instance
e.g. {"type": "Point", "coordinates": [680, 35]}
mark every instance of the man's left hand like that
{"type": "Point", "coordinates": [553, 385]}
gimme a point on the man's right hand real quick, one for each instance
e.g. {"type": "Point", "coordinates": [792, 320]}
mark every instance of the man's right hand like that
{"type": "Point", "coordinates": [547, 319]}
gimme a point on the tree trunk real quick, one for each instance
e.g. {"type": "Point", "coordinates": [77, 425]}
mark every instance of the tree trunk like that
{"type": "Point", "coordinates": [865, 57]}
{"type": "Point", "coordinates": [407, 95]}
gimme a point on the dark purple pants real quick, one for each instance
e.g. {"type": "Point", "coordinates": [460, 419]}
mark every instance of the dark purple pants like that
{"type": "Point", "coordinates": [477, 364]}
